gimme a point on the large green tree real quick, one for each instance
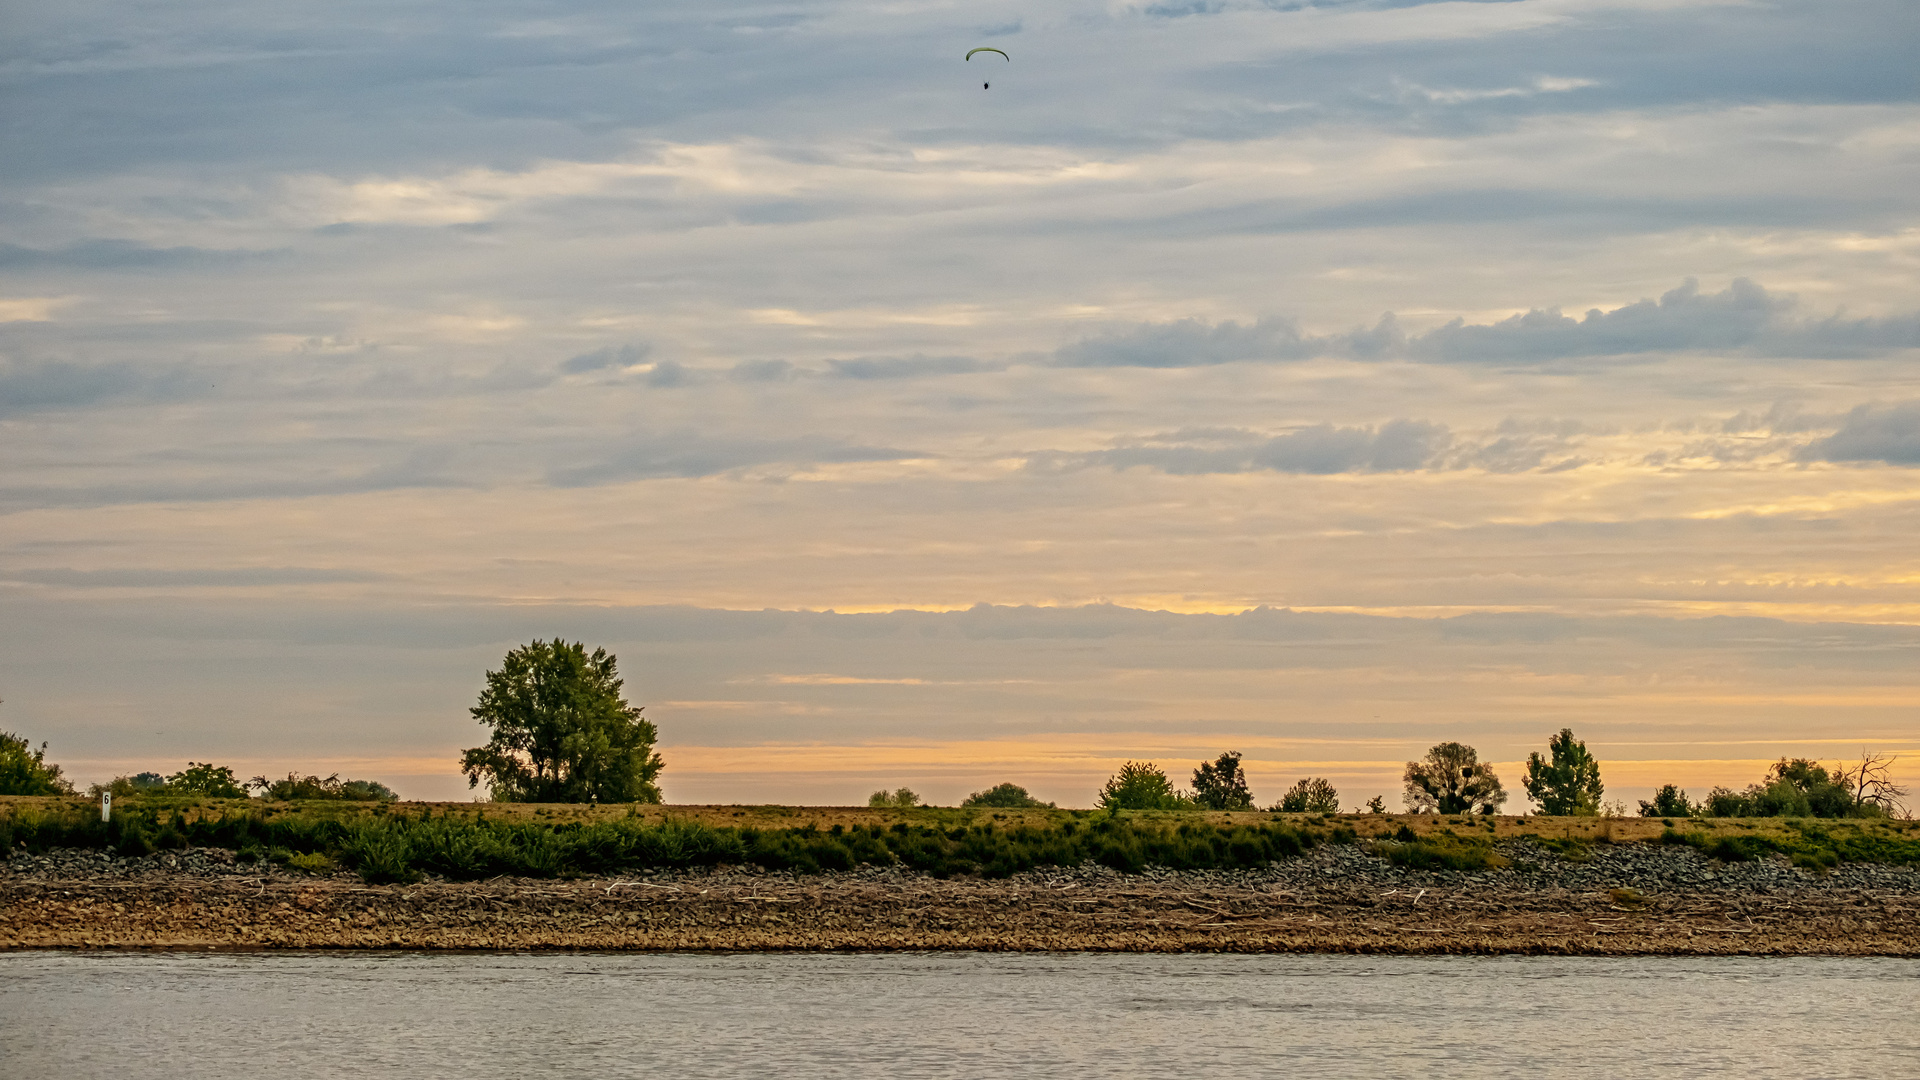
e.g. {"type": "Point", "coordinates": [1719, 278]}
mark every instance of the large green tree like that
{"type": "Point", "coordinates": [1567, 782]}
{"type": "Point", "coordinates": [1451, 780]}
{"type": "Point", "coordinates": [561, 730]}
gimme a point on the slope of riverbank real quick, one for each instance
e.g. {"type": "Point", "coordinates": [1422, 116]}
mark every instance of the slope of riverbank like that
{"type": "Point", "coordinates": [1616, 900]}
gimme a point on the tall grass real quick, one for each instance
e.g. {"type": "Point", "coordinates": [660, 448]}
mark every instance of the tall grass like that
{"type": "Point", "coordinates": [1807, 844]}
{"type": "Point", "coordinates": [1440, 851]}
{"type": "Point", "coordinates": [400, 848]}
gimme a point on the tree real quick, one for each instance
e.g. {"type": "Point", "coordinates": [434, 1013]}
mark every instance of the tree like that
{"type": "Point", "coordinates": [204, 778]}
{"type": "Point", "coordinates": [1221, 785]}
{"type": "Point", "coordinates": [145, 783]}
{"type": "Point", "coordinates": [901, 799]}
{"type": "Point", "coordinates": [1567, 785]}
{"type": "Point", "coordinates": [1820, 794]}
{"type": "Point", "coordinates": [1005, 796]}
{"type": "Point", "coordinates": [25, 771]}
{"type": "Point", "coordinates": [1801, 787]}
{"type": "Point", "coordinates": [296, 786]}
{"type": "Point", "coordinates": [1141, 786]}
{"type": "Point", "coordinates": [1315, 795]}
{"type": "Point", "coordinates": [1377, 805]}
{"type": "Point", "coordinates": [1723, 801]}
{"type": "Point", "coordinates": [1669, 801]}
{"type": "Point", "coordinates": [561, 730]}
{"type": "Point", "coordinates": [1871, 783]}
{"type": "Point", "coordinates": [1451, 780]}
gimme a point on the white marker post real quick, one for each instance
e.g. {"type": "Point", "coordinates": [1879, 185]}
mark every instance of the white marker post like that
{"type": "Point", "coordinates": [106, 806]}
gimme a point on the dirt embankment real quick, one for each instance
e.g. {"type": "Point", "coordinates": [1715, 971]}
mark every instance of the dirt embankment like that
{"type": "Point", "coordinates": [1337, 900]}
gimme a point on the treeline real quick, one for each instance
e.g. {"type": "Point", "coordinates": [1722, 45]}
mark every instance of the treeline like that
{"type": "Point", "coordinates": [399, 847]}
{"type": "Point", "coordinates": [1797, 787]}
{"type": "Point", "coordinates": [218, 782]}
{"type": "Point", "coordinates": [562, 732]}
{"type": "Point", "coordinates": [25, 770]}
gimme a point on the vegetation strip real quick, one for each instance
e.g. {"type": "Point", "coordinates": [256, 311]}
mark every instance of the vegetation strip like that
{"type": "Point", "coordinates": [399, 843]}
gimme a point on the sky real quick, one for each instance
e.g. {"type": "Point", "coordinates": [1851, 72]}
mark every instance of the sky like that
{"type": "Point", "coordinates": [1315, 380]}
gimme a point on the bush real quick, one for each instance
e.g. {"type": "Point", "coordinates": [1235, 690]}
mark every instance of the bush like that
{"type": "Point", "coordinates": [899, 798]}
{"type": "Point", "coordinates": [1568, 848]}
{"type": "Point", "coordinates": [1794, 788]}
{"type": "Point", "coordinates": [314, 863]}
{"type": "Point", "coordinates": [207, 779]}
{"type": "Point", "coordinates": [1310, 796]}
{"type": "Point", "coordinates": [399, 848]}
{"type": "Point", "coordinates": [296, 786]}
{"type": "Point", "coordinates": [1142, 786]}
{"type": "Point", "coordinates": [382, 855]}
{"type": "Point", "coordinates": [1669, 801]}
{"type": "Point", "coordinates": [1806, 845]}
{"type": "Point", "coordinates": [1440, 852]}
{"type": "Point", "coordinates": [25, 771]}
{"type": "Point", "coordinates": [1005, 796]}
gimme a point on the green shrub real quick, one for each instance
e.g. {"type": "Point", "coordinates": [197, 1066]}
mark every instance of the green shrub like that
{"type": "Point", "coordinates": [1005, 796]}
{"type": "Point", "coordinates": [1140, 785]}
{"type": "Point", "coordinates": [314, 863]}
{"type": "Point", "coordinates": [1440, 852]}
{"type": "Point", "coordinates": [381, 855]}
{"type": "Point", "coordinates": [25, 771]}
{"type": "Point", "coordinates": [1568, 848]}
{"type": "Point", "coordinates": [1310, 795]}
{"type": "Point", "coordinates": [296, 786]}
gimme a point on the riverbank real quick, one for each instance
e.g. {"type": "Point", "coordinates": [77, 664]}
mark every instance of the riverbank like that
{"type": "Point", "coordinates": [1626, 899]}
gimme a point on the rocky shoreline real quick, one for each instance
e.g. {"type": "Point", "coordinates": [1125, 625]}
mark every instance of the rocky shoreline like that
{"type": "Point", "coordinates": [1628, 899]}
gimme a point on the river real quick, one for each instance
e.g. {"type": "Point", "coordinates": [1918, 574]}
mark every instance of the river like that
{"type": "Point", "coordinates": [182, 1015]}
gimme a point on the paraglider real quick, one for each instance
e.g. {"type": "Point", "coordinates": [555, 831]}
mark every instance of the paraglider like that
{"type": "Point", "coordinates": [982, 49]}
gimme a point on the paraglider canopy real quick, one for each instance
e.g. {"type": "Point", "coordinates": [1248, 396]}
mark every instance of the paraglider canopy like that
{"type": "Point", "coordinates": [1003, 56]}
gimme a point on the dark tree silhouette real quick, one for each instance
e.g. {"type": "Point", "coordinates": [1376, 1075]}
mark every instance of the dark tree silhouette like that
{"type": "Point", "coordinates": [1221, 784]}
{"type": "Point", "coordinates": [1451, 780]}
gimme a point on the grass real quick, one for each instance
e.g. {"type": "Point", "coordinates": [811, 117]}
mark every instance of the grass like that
{"type": "Point", "coordinates": [1572, 849]}
{"type": "Point", "coordinates": [399, 842]}
{"type": "Point", "coordinates": [1443, 850]}
{"type": "Point", "coordinates": [401, 847]}
{"type": "Point", "coordinates": [1816, 845]}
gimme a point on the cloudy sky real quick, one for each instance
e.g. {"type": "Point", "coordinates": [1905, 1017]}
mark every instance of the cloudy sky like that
{"type": "Point", "coordinates": [1320, 380]}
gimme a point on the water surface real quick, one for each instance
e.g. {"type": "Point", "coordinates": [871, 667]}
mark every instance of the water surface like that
{"type": "Point", "coordinates": [180, 1016]}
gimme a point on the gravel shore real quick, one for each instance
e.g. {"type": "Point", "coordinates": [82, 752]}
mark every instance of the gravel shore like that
{"type": "Point", "coordinates": [1339, 898]}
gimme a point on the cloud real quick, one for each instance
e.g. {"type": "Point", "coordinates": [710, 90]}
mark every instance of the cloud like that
{"type": "Point", "coordinates": [1744, 317]}
{"type": "Point", "coordinates": [1192, 343]}
{"type": "Point", "coordinates": [1396, 446]}
{"type": "Point", "coordinates": [907, 367]}
{"type": "Point", "coordinates": [690, 456]}
{"type": "Point", "coordinates": [1887, 433]}
{"type": "Point", "coordinates": [106, 254]}
{"type": "Point", "coordinates": [621, 356]}
{"type": "Point", "coordinates": [667, 375]}
{"type": "Point", "coordinates": [56, 384]}
{"type": "Point", "coordinates": [1681, 319]}
{"type": "Point", "coordinates": [237, 577]}
{"type": "Point", "coordinates": [752, 371]}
